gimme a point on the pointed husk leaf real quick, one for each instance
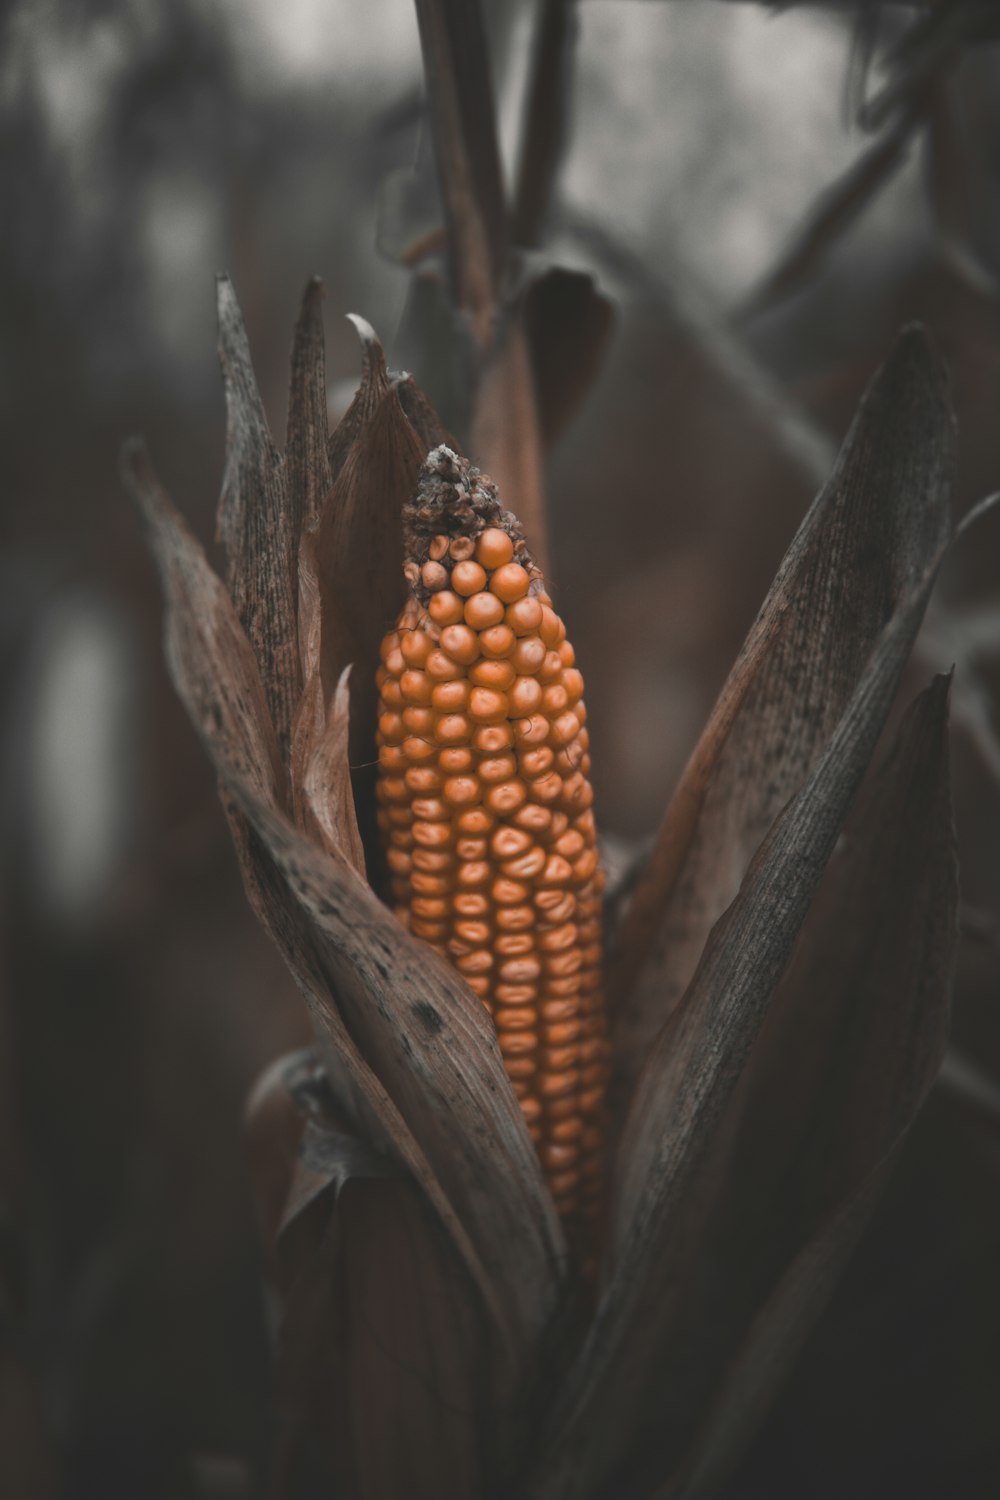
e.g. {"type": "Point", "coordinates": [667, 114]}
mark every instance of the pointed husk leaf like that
{"type": "Point", "coordinates": [258, 525]}
{"type": "Point", "coordinates": [384, 1385]}
{"type": "Point", "coordinates": [309, 474]}
{"type": "Point", "coordinates": [411, 1051]}
{"type": "Point", "coordinates": [384, 1355]}
{"type": "Point", "coordinates": [871, 538]}
{"type": "Point", "coordinates": [696, 1061]}
{"type": "Point", "coordinates": [853, 1041]}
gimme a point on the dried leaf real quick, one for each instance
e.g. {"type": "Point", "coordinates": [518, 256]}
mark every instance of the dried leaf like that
{"type": "Point", "coordinates": [360, 539]}
{"type": "Point", "coordinates": [852, 1044]}
{"type": "Point", "coordinates": [696, 1060]}
{"type": "Point", "coordinates": [228, 692]}
{"type": "Point", "coordinates": [406, 1043]}
{"type": "Point", "coordinates": [258, 525]}
{"type": "Point", "coordinates": [383, 1374]}
{"type": "Point", "coordinates": [309, 475]}
{"type": "Point", "coordinates": [434, 1048]}
{"type": "Point", "coordinates": [384, 1351]}
{"type": "Point", "coordinates": [359, 560]}
{"type": "Point", "coordinates": [866, 549]}
{"type": "Point", "coordinates": [372, 387]}
{"type": "Point", "coordinates": [327, 784]}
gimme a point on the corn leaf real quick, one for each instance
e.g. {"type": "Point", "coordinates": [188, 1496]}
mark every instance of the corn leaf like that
{"type": "Point", "coordinates": [383, 1376]}
{"type": "Point", "coordinates": [359, 563]}
{"type": "Point", "coordinates": [384, 1355]}
{"type": "Point", "coordinates": [258, 525]}
{"type": "Point", "coordinates": [407, 1045]}
{"type": "Point", "coordinates": [372, 387]}
{"type": "Point", "coordinates": [852, 1044]}
{"type": "Point", "coordinates": [309, 474]}
{"type": "Point", "coordinates": [897, 464]}
{"type": "Point", "coordinates": [872, 533]}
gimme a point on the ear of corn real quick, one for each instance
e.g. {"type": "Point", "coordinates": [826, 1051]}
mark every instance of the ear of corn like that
{"type": "Point", "coordinates": [485, 808]}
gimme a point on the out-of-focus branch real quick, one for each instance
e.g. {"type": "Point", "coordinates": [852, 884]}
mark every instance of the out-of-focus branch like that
{"type": "Point", "coordinates": [463, 125]}
{"type": "Point", "coordinates": [546, 115]}
{"type": "Point", "coordinates": [836, 209]}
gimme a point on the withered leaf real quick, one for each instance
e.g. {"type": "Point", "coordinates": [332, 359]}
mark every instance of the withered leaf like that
{"type": "Point", "coordinates": [384, 1364]}
{"type": "Point", "coordinates": [258, 525]}
{"type": "Point", "coordinates": [416, 1046]}
{"type": "Point", "coordinates": [227, 692]}
{"type": "Point", "coordinates": [867, 548]}
{"type": "Point", "coordinates": [360, 538]}
{"type": "Point", "coordinates": [384, 1353]}
{"type": "Point", "coordinates": [852, 1043]}
{"type": "Point", "coordinates": [695, 1063]}
{"type": "Point", "coordinates": [326, 783]}
{"type": "Point", "coordinates": [372, 387]}
{"type": "Point", "coordinates": [359, 564]}
{"type": "Point", "coordinates": [309, 475]}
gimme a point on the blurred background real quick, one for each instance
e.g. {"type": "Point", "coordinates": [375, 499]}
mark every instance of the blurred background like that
{"type": "Point", "coordinates": [764, 199]}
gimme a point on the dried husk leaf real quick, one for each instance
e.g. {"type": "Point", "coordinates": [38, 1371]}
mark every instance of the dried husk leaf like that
{"type": "Point", "coordinates": [696, 1061]}
{"type": "Point", "coordinates": [309, 479]}
{"type": "Point", "coordinates": [852, 1044]}
{"type": "Point", "coordinates": [873, 536]}
{"type": "Point", "coordinates": [371, 388]}
{"type": "Point", "coordinates": [308, 471]}
{"type": "Point", "coordinates": [384, 1356]}
{"type": "Point", "coordinates": [326, 784]}
{"type": "Point", "coordinates": [360, 541]}
{"type": "Point", "coordinates": [359, 561]}
{"type": "Point", "coordinates": [405, 1043]}
{"type": "Point", "coordinates": [384, 1385]}
{"type": "Point", "coordinates": [258, 525]}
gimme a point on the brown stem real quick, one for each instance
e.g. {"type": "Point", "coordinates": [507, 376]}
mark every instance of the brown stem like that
{"type": "Point", "coordinates": [546, 112]}
{"type": "Point", "coordinates": [463, 126]}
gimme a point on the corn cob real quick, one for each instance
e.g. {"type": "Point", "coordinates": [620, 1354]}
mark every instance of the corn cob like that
{"type": "Point", "coordinates": [485, 808]}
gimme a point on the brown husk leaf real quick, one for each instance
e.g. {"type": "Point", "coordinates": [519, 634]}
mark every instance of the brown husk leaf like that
{"type": "Point", "coordinates": [259, 526]}
{"type": "Point", "coordinates": [896, 463]}
{"type": "Point", "coordinates": [867, 547]}
{"type": "Point", "coordinates": [409, 1050]}
{"type": "Point", "coordinates": [852, 1044]}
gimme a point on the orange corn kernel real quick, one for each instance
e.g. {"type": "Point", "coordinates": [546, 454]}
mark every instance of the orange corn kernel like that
{"type": "Point", "coordinates": [484, 807]}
